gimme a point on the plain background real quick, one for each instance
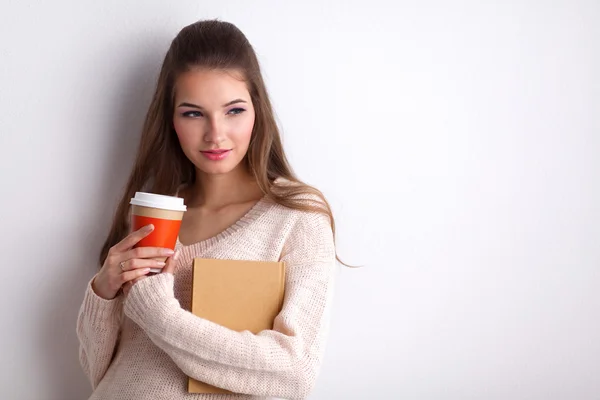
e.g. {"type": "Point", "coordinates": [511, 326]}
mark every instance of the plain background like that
{"type": "Point", "coordinates": [458, 142]}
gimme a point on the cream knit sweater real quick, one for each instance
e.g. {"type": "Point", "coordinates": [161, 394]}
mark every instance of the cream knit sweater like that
{"type": "Point", "coordinates": [145, 347]}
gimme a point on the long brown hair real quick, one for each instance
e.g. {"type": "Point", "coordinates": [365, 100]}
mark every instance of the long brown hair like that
{"type": "Point", "coordinates": [161, 166]}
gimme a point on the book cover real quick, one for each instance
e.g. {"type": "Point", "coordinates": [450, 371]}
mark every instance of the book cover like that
{"type": "Point", "coordinates": [240, 295]}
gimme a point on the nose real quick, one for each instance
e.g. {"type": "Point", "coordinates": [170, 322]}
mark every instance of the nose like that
{"type": "Point", "coordinates": [214, 131]}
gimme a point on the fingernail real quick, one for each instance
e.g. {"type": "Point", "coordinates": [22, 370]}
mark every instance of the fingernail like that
{"type": "Point", "coordinates": [176, 255]}
{"type": "Point", "coordinates": [146, 270]}
{"type": "Point", "coordinates": [148, 228]}
{"type": "Point", "coordinates": [168, 252]}
{"type": "Point", "coordinates": [161, 264]}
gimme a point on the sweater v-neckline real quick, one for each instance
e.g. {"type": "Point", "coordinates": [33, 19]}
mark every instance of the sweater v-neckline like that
{"type": "Point", "coordinates": [250, 216]}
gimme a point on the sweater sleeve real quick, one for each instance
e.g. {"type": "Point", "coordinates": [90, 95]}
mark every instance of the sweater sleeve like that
{"type": "Point", "coordinates": [282, 362]}
{"type": "Point", "coordinates": [98, 326]}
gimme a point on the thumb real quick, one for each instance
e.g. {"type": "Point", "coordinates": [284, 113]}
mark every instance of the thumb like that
{"type": "Point", "coordinates": [169, 268]}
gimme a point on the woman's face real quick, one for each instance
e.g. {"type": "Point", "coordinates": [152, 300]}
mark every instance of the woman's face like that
{"type": "Point", "coordinates": [213, 117]}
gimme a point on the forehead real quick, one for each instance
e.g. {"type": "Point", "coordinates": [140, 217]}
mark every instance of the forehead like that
{"type": "Point", "coordinates": [211, 85]}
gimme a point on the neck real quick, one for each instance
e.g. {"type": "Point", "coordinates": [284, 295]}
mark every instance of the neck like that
{"type": "Point", "coordinates": [216, 191]}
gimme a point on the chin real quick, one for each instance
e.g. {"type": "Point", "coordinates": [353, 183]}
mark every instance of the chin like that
{"type": "Point", "coordinates": [216, 169]}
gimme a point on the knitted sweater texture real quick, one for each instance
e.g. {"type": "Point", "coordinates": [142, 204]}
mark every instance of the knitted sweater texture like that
{"type": "Point", "coordinates": [146, 345]}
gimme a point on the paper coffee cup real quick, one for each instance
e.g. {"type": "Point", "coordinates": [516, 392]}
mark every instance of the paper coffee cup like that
{"type": "Point", "coordinates": [164, 212]}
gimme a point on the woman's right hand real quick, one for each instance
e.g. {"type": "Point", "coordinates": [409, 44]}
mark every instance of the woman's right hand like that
{"type": "Point", "coordinates": [125, 263]}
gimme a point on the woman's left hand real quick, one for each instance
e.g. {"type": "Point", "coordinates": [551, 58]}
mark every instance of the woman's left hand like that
{"type": "Point", "coordinates": [169, 268]}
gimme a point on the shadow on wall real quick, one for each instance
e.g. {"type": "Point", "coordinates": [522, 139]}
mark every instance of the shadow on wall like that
{"type": "Point", "coordinates": [131, 89]}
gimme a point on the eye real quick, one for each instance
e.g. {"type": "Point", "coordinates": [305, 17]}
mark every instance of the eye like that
{"type": "Point", "coordinates": [192, 114]}
{"type": "Point", "coordinates": [236, 111]}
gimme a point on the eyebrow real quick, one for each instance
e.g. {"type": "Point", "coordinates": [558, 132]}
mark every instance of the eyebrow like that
{"type": "Point", "coordinates": [232, 102]}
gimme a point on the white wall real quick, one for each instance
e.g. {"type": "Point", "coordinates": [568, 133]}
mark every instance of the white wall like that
{"type": "Point", "coordinates": [458, 142]}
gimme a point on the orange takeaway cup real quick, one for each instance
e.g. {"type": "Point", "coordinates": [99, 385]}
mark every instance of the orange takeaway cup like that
{"type": "Point", "coordinates": [164, 212]}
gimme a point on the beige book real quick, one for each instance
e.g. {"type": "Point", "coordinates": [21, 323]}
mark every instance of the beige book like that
{"type": "Point", "coordinates": [240, 295]}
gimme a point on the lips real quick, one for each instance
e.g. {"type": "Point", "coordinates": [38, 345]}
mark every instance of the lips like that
{"type": "Point", "coordinates": [216, 155]}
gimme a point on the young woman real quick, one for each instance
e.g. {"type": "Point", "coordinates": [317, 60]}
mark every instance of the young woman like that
{"type": "Point", "coordinates": [211, 138]}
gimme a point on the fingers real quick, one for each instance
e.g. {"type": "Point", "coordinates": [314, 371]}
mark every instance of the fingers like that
{"type": "Point", "coordinates": [136, 280]}
{"type": "Point", "coordinates": [138, 263]}
{"type": "Point", "coordinates": [130, 276]}
{"type": "Point", "coordinates": [146, 252]}
{"type": "Point", "coordinates": [126, 288]}
{"type": "Point", "coordinates": [171, 263]}
{"type": "Point", "coordinates": [132, 239]}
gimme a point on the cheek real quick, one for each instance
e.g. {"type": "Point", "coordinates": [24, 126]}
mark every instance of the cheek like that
{"type": "Point", "coordinates": [184, 132]}
{"type": "Point", "coordinates": [244, 130]}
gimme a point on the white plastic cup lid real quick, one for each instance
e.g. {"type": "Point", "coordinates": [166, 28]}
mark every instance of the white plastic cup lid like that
{"type": "Point", "coordinates": [158, 201]}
